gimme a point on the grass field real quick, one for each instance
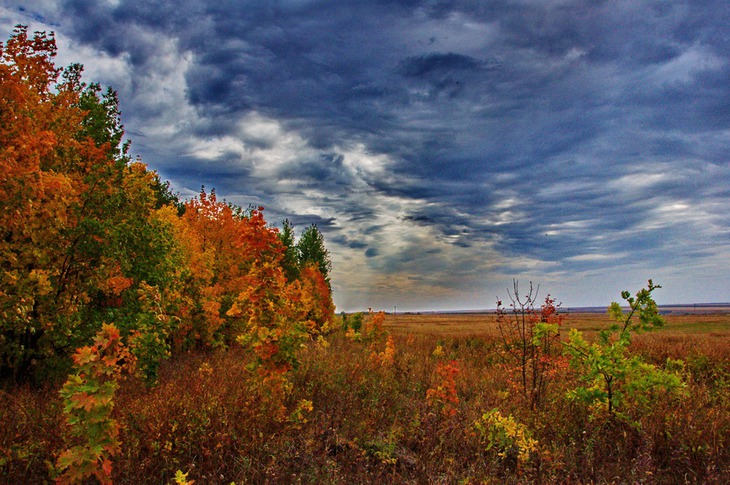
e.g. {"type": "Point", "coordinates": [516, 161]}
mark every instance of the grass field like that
{"type": "Point", "coordinates": [699, 323]}
{"type": "Point", "coordinates": [426, 399]}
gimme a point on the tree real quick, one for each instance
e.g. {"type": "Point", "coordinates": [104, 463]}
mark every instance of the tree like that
{"type": "Point", "coordinates": [77, 235]}
{"type": "Point", "coordinates": [102, 120]}
{"type": "Point", "coordinates": [290, 261]}
{"type": "Point", "coordinates": [614, 379]}
{"type": "Point", "coordinates": [530, 337]}
{"type": "Point", "coordinates": [226, 249]}
{"type": "Point", "coordinates": [45, 168]}
{"type": "Point", "coordinates": [312, 250]}
{"type": "Point", "coordinates": [316, 299]}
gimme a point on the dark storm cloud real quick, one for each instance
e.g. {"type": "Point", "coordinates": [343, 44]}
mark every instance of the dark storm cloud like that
{"type": "Point", "coordinates": [345, 241]}
{"type": "Point", "coordinates": [371, 252]}
{"type": "Point", "coordinates": [572, 135]}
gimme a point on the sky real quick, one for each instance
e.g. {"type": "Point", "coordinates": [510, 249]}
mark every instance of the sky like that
{"type": "Point", "coordinates": [443, 148]}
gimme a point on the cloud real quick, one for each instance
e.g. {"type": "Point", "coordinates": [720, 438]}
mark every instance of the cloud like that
{"type": "Point", "coordinates": [442, 147]}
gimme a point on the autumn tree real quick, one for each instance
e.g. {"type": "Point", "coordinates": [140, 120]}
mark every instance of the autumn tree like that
{"type": "Point", "coordinates": [222, 246]}
{"type": "Point", "coordinates": [77, 237]}
{"type": "Point", "coordinates": [89, 236]}
{"type": "Point", "coordinates": [317, 299]}
{"type": "Point", "coordinates": [42, 201]}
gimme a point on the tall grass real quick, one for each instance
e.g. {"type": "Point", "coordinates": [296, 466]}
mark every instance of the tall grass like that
{"type": "Point", "coordinates": [370, 420]}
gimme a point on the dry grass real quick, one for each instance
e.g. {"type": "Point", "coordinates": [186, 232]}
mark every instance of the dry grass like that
{"type": "Point", "coordinates": [443, 324]}
{"type": "Point", "coordinates": [371, 420]}
{"type": "Point", "coordinates": [462, 324]}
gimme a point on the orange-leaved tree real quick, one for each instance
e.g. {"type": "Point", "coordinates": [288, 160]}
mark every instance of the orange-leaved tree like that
{"type": "Point", "coordinates": [49, 236]}
{"type": "Point", "coordinates": [222, 245]}
{"type": "Point", "coordinates": [316, 299]}
{"type": "Point", "coordinates": [77, 235]}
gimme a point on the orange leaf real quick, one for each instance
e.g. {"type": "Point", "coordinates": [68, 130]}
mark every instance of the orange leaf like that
{"type": "Point", "coordinates": [83, 400]}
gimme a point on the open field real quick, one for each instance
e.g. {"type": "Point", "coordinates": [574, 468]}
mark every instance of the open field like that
{"type": "Point", "coordinates": [426, 399]}
{"type": "Point", "coordinates": [684, 321]}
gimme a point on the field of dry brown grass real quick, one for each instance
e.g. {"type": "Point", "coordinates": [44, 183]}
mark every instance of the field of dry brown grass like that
{"type": "Point", "coordinates": [713, 325]}
{"type": "Point", "coordinates": [400, 406]}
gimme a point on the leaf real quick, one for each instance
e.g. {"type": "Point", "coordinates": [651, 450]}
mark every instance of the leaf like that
{"type": "Point", "coordinates": [84, 401]}
{"type": "Point", "coordinates": [106, 468]}
{"type": "Point", "coordinates": [85, 355]}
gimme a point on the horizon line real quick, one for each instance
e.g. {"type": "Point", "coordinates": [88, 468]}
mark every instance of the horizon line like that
{"type": "Point", "coordinates": [694, 307]}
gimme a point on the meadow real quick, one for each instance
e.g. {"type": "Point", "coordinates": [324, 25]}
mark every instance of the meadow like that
{"type": "Point", "coordinates": [410, 399]}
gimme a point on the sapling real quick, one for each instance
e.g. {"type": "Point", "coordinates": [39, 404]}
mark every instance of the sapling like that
{"type": "Point", "coordinates": [88, 397]}
{"type": "Point", "coordinates": [613, 378]}
{"type": "Point", "coordinates": [529, 338]}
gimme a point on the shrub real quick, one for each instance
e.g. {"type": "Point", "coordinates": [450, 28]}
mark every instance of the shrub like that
{"type": "Point", "coordinates": [511, 440]}
{"type": "Point", "coordinates": [442, 394]}
{"type": "Point", "coordinates": [613, 378]}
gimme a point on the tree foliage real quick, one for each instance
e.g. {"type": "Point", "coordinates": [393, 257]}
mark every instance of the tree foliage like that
{"type": "Point", "coordinates": [88, 236]}
{"type": "Point", "coordinates": [614, 380]}
{"type": "Point", "coordinates": [55, 200]}
{"type": "Point", "coordinates": [313, 251]}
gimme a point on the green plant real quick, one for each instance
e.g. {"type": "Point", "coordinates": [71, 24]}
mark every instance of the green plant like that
{"type": "Point", "coordinates": [613, 378]}
{"type": "Point", "coordinates": [88, 397]}
{"type": "Point", "coordinates": [311, 249]}
{"type": "Point", "coordinates": [511, 440]}
{"type": "Point", "coordinates": [149, 341]}
{"type": "Point", "coordinates": [356, 322]}
{"type": "Point", "coordinates": [182, 478]}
